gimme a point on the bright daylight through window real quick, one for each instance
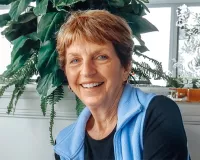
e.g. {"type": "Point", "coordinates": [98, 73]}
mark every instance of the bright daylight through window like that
{"type": "Point", "coordinates": [158, 42]}
{"type": "Point", "coordinates": [5, 49]}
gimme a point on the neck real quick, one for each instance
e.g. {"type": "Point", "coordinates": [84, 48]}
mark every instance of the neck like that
{"type": "Point", "coordinates": [100, 120]}
{"type": "Point", "coordinates": [99, 127]}
{"type": "Point", "coordinates": [103, 119]}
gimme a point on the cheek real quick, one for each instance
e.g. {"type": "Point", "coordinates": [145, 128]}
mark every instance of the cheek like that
{"type": "Point", "coordinates": [70, 76]}
{"type": "Point", "coordinates": [116, 74]}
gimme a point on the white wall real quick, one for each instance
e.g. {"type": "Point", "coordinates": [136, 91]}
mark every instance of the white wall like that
{"type": "Point", "coordinates": [191, 118]}
{"type": "Point", "coordinates": [25, 135]}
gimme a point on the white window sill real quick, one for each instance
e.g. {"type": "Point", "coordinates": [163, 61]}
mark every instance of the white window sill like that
{"type": "Point", "coordinates": [28, 105]}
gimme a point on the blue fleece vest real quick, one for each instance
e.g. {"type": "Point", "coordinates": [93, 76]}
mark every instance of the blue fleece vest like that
{"type": "Point", "coordinates": [128, 138]}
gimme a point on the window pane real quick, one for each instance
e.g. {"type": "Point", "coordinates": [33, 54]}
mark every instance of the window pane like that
{"type": "Point", "coordinates": [158, 42]}
{"type": "Point", "coordinates": [188, 64]}
{"type": "Point", "coordinates": [5, 49]}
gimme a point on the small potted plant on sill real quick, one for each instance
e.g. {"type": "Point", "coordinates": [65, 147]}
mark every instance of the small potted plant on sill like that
{"type": "Point", "coordinates": [184, 89]}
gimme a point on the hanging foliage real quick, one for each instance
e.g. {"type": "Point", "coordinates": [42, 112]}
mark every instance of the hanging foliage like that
{"type": "Point", "coordinates": [31, 29]}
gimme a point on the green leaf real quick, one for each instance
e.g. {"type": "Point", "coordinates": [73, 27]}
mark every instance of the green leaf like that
{"type": "Point", "coordinates": [44, 86]}
{"type": "Point", "coordinates": [141, 49]}
{"type": "Point", "coordinates": [52, 116]}
{"type": "Point", "coordinates": [145, 1]}
{"type": "Point", "coordinates": [21, 52]}
{"type": "Point", "coordinates": [143, 5]}
{"type": "Point", "coordinates": [41, 8]}
{"type": "Point", "coordinates": [137, 23]}
{"type": "Point", "coordinates": [23, 45]}
{"type": "Point", "coordinates": [43, 104]}
{"type": "Point", "coordinates": [144, 70]}
{"type": "Point", "coordinates": [10, 105]}
{"type": "Point", "coordinates": [24, 73]}
{"type": "Point", "coordinates": [27, 24]}
{"type": "Point", "coordinates": [13, 9]}
{"type": "Point", "coordinates": [48, 83]}
{"type": "Point", "coordinates": [18, 7]}
{"type": "Point", "coordinates": [127, 8]}
{"type": "Point", "coordinates": [33, 36]}
{"type": "Point", "coordinates": [16, 65]}
{"type": "Point", "coordinates": [139, 39]}
{"type": "Point", "coordinates": [56, 96]}
{"type": "Point", "coordinates": [47, 57]}
{"type": "Point", "coordinates": [19, 43]}
{"type": "Point", "coordinates": [135, 6]}
{"type": "Point", "coordinates": [3, 89]}
{"type": "Point", "coordinates": [51, 74]}
{"type": "Point", "coordinates": [4, 18]}
{"type": "Point", "coordinates": [6, 2]}
{"type": "Point", "coordinates": [79, 106]}
{"type": "Point", "coordinates": [62, 3]}
{"type": "Point", "coordinates": [26, 17]}
{"type": "Point", "coordinates": [21, 89]}
{"type": "Point", "coordinates": [49, 25]}
{"type": "Point", "coordinates": [126, 2]}
{"type": "Point", "coordinates": [59, 77]}
{"type": "Point", "coordinates": [55, 2]}
{"type": "Point", "coordinates": [116, 3]}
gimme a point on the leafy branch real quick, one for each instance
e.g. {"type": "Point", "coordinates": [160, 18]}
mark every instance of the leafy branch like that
{"type": "Point", "coordinates": [52, 99]}
{"type": "Point", "coordinates": [32, 31]}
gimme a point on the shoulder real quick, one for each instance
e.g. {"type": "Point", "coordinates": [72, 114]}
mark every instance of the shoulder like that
{"type": "Point", "coordinates": [162, 104]}
{"type": "Point", "coordinates": [162, 108]}
{"type": "Point", "coordinates": [164, 136]}
{"type": "Point", "coordinates": [163, 113]}
{"type": "Point", "coordinates": [67, 131]}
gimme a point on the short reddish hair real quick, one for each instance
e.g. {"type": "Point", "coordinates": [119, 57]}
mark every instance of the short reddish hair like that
{"type": "Point", "coordinates": [97, 26]}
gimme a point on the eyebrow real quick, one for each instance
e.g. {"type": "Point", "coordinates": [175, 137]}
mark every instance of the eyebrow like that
{"type": "Point", "coordinates": [95, 51]}
{"type": "Point", "coordinates": [72, 54]}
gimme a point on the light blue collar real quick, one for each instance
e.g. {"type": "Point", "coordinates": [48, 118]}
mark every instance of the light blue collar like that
{"type": "Point", "coordinates": [72, 140]}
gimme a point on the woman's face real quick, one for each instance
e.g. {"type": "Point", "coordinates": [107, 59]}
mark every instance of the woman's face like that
{"type": "Point", "coordinates": [94, 72]}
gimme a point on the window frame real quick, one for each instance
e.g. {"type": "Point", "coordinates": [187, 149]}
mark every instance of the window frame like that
{"type": "Point", "coordinates": [174, 33]}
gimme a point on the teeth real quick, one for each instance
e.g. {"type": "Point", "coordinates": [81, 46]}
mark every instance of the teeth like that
{"type": "Point", "coordinates": [91, 85]}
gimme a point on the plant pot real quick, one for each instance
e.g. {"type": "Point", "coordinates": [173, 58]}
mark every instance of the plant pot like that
{"type": "Point", "coordinates": [181, 92]}
{"type": "Point", "coordinates": [193, 95]}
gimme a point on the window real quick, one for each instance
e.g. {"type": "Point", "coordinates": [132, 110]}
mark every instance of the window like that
{"type": "Point", "coordinates": [5, 48]}
{"type": "Point", "coordinates": [188, 64]}
{"type": "Point", "coordinates": [158, 42]}
{"type": "Point", "coordinates": [162, 45]}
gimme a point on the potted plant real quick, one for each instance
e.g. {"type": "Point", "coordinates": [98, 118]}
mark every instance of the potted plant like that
{"type": "Point", "coordinates": [32, 31]}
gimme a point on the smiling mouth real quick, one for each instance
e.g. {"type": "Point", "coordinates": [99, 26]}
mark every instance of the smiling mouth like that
{"type": "Point", "coordinates": [91, 85]}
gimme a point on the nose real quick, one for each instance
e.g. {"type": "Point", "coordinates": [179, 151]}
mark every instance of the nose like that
{"type": "Point", "coordinates": [88, 68]}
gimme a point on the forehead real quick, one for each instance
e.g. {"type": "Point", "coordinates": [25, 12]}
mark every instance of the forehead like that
{"type": "Point", "coordinates": [83, 46]}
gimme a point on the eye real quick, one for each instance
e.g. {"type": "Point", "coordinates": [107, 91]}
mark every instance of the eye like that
{"type": "Point", "coordinates": [102, 57]}
{"type": "Point", "coordinates": [73, 61]}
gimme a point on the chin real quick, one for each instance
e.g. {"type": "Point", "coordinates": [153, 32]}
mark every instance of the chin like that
{"type": "Point", "coordinates": [92, 102]}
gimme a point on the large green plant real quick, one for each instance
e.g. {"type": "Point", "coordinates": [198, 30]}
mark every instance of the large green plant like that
{"type": "Point", "coordinates": [32, 31]}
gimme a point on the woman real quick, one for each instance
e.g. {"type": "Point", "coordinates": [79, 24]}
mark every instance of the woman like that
{"type": "Point", "coordinates": [119, 122]}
